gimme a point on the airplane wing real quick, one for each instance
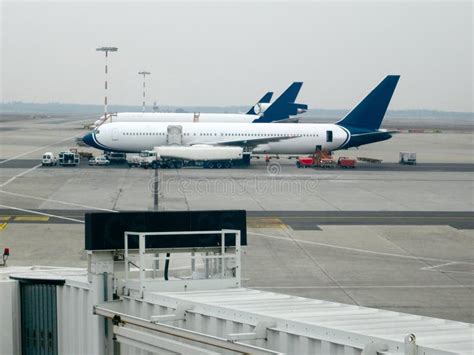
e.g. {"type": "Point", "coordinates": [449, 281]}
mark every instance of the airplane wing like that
{"type": "Point", "coordinates": [249, 142]}
{"type": "Point", "coordinates": [379, 131]}
{"type": "Point", "coordinates": [288, 120]}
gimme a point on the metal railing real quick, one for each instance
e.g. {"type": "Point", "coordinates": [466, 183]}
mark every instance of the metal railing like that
{"type": "Point", "coordinates": [220, 260]}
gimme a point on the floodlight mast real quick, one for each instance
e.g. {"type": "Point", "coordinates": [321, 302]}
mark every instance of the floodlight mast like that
{"type": "Point", "coordinates": [144, 73]}
{"type": "Point", "coordinates": [106, 50]}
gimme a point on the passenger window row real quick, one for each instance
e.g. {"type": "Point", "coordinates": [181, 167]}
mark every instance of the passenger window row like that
{"type": "Point", "coordinates": [143, 134]}
{"type": "Point", "coordinates": [222, 134]}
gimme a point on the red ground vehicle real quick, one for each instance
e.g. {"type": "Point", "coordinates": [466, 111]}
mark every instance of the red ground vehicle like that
{"type": "Point", "coordinates": [305, 162]}
{"type": "Point", "coordinates": [320, 159]}
{"type": "Point", "coordinates": [345, 162]}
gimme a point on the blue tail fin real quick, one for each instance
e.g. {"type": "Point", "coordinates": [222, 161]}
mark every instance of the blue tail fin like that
{"type": "Point", "coordinates": [285, 106]}
{"type": "Point", "coordinates": [264, 100]}
{"type": "Point", "coordinates": [369, 113]}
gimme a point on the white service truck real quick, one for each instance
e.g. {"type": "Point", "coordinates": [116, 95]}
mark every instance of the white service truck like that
{"type": "Point", "coordinates": [116, 157]}
{"type": "Point", "coordinates": [49, 159]}
{"type": "Point", "coordinates": [68, 158]}
{"type": "Point", "coordinates": [206, 156]}
{"type": "Point", "coordinates": [407, 158]}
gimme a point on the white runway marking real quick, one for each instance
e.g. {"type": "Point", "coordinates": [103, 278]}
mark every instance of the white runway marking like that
{"type": "Point", "coordinates": [362, 250]}
{"type": "Point", "coordinates": [42, 214]}
{"type": "Point", "coordinates": [56, 201]}
{"type": "Point", "coordinates": [437, 266]}
{"type": "Point", "coordinates": [18, 175]}
{"type": "Point", "coordinates": [40, 148]}
{"type": "Point", "coordinates": [361, 287]}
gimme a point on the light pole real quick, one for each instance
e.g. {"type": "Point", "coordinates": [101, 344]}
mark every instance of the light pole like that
{"type": "Point", "coordinates": [106, 50]}
{"type": "Point", "coordinates": [144, 73]}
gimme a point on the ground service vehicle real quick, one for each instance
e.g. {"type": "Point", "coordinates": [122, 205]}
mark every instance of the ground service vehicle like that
{"type": "Point", "coordinates": [85, 155]}
{"type": "Point", "coordinates": [320, 159]}
{"type": "Point", "coordinates": [116, 157]}
{"type": "Point", "coordinates": [407, 158]}
{"type": "Point", "coordinates": [99, 161]}
{"type": "Point", "coordinates": [133, 160]}
{"type": "Point", "coordinates": [345, 162]}
{"type": "Point", "coordinates": [68, 158]}
{"type": "Point", "coordinates": [148, 159]}
{"type": "Point", "coordinates": [49, 159]}
{"type": "Point", "coordinates": [198, 155]}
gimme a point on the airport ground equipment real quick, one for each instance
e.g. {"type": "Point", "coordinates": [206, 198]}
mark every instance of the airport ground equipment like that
{"type": "Point", "coordinates": [128, 301]}
{"type": "Point", "coordinates": [49, 159]}
{"type": "Point", "coordinates": [320, 159]}
{"type": "Point", "coordinates": [85, 155]}
{"type": "Point", "coordinates": [99, 161]}
{"type": "Point", "coordinates": [116, 157]}
{"type": "Point", "coordinates": [345, 162]}
{"type": "Point", "coordinates": [133, 160]}
{"type": "Point", "coordinates": [197, 155]}
{"type": "Point", "coordinates": [407, 158]}
{"type": "Point", "coordinates": [369, 160]}
{"type": "Point", "coordinates": [68, 158]}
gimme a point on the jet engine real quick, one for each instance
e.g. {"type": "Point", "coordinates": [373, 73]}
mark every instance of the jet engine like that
{"type": "Point", "coordinates": [261, 108]}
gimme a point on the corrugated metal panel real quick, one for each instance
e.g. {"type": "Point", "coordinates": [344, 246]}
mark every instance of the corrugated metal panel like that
{"type": "Point", "coordinates": [78, 327]}
{"type": "Point", "coordinates": [38, 319]}
{"type": "Point", "coordinates": [340, 328]}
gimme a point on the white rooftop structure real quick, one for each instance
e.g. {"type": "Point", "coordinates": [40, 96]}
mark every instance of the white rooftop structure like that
{"type": "Point", "coordinates": [204, 310]}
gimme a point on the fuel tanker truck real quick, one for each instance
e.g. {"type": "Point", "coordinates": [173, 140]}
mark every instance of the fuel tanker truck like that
{"type": "Point", "coordinates": [200, 155]}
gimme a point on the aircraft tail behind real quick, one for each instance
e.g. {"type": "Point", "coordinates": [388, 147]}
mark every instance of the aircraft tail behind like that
{"type": "Point", "coordinates": [284, 106]}
{"type": "Point", "coordinates": [369, 113]}
{"type": "Point", "coordinates": [264, 100]}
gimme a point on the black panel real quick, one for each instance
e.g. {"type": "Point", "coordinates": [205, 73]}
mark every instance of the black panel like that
{"type": "Point", "coordinates": [105, 230]}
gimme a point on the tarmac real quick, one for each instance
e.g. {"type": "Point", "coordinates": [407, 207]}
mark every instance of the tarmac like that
{"type": "Point", "coordinates": [383, 235]}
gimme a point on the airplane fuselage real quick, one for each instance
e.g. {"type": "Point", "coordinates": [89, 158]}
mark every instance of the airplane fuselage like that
{"type": "Point", "coordinates": [181, 117]}
{"type": "Point", "coordinates": [295, 138]}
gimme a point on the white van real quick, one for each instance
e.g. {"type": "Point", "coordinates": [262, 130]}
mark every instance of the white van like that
{"type": "Point", "coordinates": [49, 159]}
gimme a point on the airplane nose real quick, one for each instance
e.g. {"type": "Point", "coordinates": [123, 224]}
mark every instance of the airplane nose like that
{"type": "Point", "coordinates": [89, 140]}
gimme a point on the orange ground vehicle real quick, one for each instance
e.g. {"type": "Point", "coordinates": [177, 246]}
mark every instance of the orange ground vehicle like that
{"type": "Point", "coordinates": [345, 162]}
{"type": "Point", "coordinates": [320, 159]}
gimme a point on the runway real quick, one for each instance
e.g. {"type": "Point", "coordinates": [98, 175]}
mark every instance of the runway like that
{"type": "Point", "coordinates": [296, 220]}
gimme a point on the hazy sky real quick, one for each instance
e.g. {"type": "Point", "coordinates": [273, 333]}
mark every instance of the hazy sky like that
{"type": "Point", "coordinates": [230, 53]}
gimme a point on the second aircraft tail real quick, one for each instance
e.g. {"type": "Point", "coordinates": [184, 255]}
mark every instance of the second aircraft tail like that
{"type": "Point", "coordinates": [284, 106]}
{"type": "Point", "coordinates": [264, 100]}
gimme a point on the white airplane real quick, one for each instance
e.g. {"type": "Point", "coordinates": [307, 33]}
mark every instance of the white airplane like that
{"type": "Point", "coordinates": [360, 126]}
{"type": "Point", "coordinates": [264, 111]}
